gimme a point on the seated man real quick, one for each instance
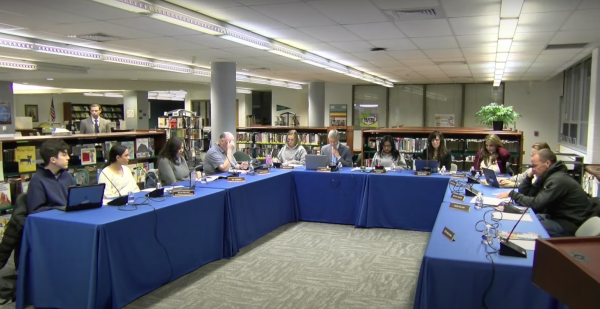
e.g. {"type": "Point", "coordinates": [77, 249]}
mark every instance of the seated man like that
{"type": "Point", "coordinates": [51, 181]}
{"type": "Point", "coordinates": [219, 158]}
{"type": "Point", "coordinates": [336, 151]}
{"type": "Point", "coordinates": [560, 202]}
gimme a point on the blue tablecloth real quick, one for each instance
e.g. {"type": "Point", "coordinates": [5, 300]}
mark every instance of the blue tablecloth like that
{"type": "Point", "coordinates": [329, 197]}
{"type": "Point", "coordinates": [106, 258]}
{"type": "Point", "coordinates": [257, 206]}
{"type": "Point", "coordinates": [402, 200]}
{"type": "Point", "coordinates": [456, 274]}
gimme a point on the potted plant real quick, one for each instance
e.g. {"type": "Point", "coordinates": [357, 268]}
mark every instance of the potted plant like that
{"type": "Point", "coordinates": [496, 116]}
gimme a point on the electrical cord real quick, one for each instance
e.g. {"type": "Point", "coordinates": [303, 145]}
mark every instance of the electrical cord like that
{"type": "Point", "coordinates": [493, 229]}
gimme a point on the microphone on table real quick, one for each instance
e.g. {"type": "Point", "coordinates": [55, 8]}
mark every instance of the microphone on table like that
{"type": "Point", "coordinates": [120, 200]}
{"type": "Point", "coordinates": [508, 248]}
{"type": "Point", "coordinates": [509, 206]}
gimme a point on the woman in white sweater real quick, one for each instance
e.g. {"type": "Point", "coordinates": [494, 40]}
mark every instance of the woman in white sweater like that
{"type": "Point", "coordinates": [118, 178]}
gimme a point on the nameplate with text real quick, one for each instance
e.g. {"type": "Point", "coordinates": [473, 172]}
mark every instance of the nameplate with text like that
{"type": "Point", "coordinates": [457, 196]}
{"type": "Point", "coordinates": [287, 167]}
{"type": "Point", "coordinates": [459, 176]}
{"type": "Point", "coordinates": [263, 172]}
{"type": "Point", "coordinates": [422, 173]}
{"type": "Point", "coordinates": [448, 234]}
{"type": "Point", "coordinates": [461, 207]}
{"type": "Point", "coordinates": [236, 179]}
{"type": "Point", "coordinates": [453, 182]}
{"type": "Point", "coordinates": [323, 169]}
{"type": "Point", "coordinates": [378, 171]}
{"type": "Point", "coordinates": [183, 193]}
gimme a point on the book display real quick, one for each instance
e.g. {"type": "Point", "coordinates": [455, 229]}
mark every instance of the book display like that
{"type": "Point", "coordinates": [187, 126]}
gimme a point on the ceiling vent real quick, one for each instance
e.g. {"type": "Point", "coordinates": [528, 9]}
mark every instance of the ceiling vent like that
{"type": "Point", "coordinates": [415, 14]}
{"type": "Point", "coordinates": [96, 37]}
{"type": "Point", "coordinates": [566, 46]}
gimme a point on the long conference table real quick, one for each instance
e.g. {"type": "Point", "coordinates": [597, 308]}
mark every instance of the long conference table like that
{"type": "Point", "coordinates": [108, 257]}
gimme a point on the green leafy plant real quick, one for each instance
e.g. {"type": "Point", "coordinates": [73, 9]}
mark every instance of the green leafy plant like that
{"type": "Point", "coordinates": [494, 112]}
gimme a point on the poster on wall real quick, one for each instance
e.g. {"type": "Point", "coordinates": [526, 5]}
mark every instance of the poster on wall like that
{"type": "Point", "coordinates": [5, 113]}
{"type": "Point", "coordinates": [338, 115]}
{"type": "Point", "coordinates": [368, 120]}
{"type": "Point", "coordinates": [444, 120]}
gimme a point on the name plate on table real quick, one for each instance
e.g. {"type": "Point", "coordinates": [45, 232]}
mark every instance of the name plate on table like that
{"type": "Point", "coordinates": [183, 193]}
{"type": "Point", "coordinates": [470, 191]}
{"type": "Point", "coordinates": [453, 182]}
{"type": "Point", "coordinates": [236, 179]}
{"type": "Point", "coordinates": [422, 173]}
{"type": "Point", "coordinates": [461, 207]}
{"type": "Point", "coordinates": [458, 176]}
{"type": "Point", "coordinates": [323, 169]}
{"type": "Point", "coordinates": [263, 172]}
{"type": "Point", "coordinates": [378, 171]}
{"type": "Point", "coordinates": [448, 234]}
{"type": "Point", "coordinates": [457, 196]}
{"type": "Point", "coordinates": [286, 168]}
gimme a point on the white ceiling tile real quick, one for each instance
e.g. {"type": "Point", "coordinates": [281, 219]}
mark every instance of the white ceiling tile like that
{"type": "Point", "coordinates": [35, 11]}
{"type": "Point", "coordinates": [512, 75]}
{"type": "Point", "coordinates": [536, 6]}
{"type": "Point", "coordinates": [89, 9]}
{"type": "Point", "coordinates": [298, 14]}
{"type": "Point", "coordinates": [483, 71]}
{"type": "Point", "coordinates": [289, 36]}
{"type": "Point", "coordinates": [407, 54]}
{"type": "Point", "coordinates": [540, 22]}
{"type": "Point", "coordinates": [475, 25]}
{"type": "Point", "coordinates": [247, 18]}
{"type": "Point", "coordinates": [462, 8]}
{"type": "Point", "coordinates": [418, 62]}
{"type": "Point", "coordinates": [458, 73]}
{"type": "Point", "coordinates": [477, 40]}
{"type": "Point", "coordinates": [259, 2]}
{"type": "Point", "coordinates": [441, 60]}
{"type": "Point", "coordinates": [518, 64]}
{"type": "Point", "coordinates": [579, 36]}
{"type": "Point", "coordinates": [589, 4]}
{"type": "Point", "coordinates": [99, 27]}
{"type": "Point", "coordinates": [344, 58]}
{"type": "Point", "coordinates": [249, 52]}
{"type": "Point", "coordinates": [443, 53]}
{"type": "Point", "coordinates": [208, 40]}
{"type": "Point", "coordinates": [386, 63]}
{"type": "Point", "coordinates": [392, 45]}
{"type": "Point", "coordinates": [350, 11]}
{"type": "Point", "coordinates": [199, 5]}
{"type": "Point", "coordinates": [521, 57]}
{"type": "Point", "coordinates": [153, 26]}
{"type": "Point", "coordinates": [425, 28]}
{"type": "Point", "coordinates": [330, 33]}
{"type": "Point", "coordinates": [583, 20]}
{"type": "Point", "coordinates": [475, 51]}
{"type": "Point", "coordinates": [353, 46]}
{"type": "Point", "coordinates": [557, 57]}
{"type": "Point", "coordinates": [483, 65]}
{"type": "Point", "coordinates": [376, 31]}
{"type": "Point", "coordinates": [318, 48]}
{"type": "Point", "coordinates": [527, 49]}
{"type": "Point", "coordinates": [532, 38]}
{"type": "Point", "coordinates": [572, 51]}
{"type": "Point", "coordinates": [436, 42]}
{"type": "Point", "coordinates": [516, 70]}
{"type": "Point", "coordinates": [405, 4]}
{"type": "Point", "coordinates": [427, 69]}
{"type": "Point", "coordinates": [481, 58]}
{"type": "Point", "coordinates": [371, 56]}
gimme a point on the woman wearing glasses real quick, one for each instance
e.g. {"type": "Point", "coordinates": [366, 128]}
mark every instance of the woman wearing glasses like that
{"type": "Point", "coordinates": [292, 152]}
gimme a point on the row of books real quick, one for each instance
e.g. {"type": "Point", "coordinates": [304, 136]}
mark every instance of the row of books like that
{"type": "Point", "coordinates": [279, 138]}
{"type": "Point", "coordinates": [418, 144]}
{"type": "Point", "coordinates": [273, 150]}
{"type": "Point", "coordinates": [179, 123]}
{"type": "Point", "coordinates": [79, 116]}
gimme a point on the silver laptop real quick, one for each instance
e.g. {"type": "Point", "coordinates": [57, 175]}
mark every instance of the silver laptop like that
{"type": "Point", "coordinates": [315, 161]}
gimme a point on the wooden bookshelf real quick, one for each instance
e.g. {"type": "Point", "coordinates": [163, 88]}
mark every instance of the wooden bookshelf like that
{"type": "Point", "coordinates": [74, 112]}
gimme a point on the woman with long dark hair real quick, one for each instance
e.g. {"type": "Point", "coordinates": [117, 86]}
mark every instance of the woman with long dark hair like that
{"type": "Point", "coordinates": [172, 166]}
{"type": "Point", "coordinates": [388, 154]}
{"type": "Point", "coordinates": [436, 150]}
{"type": "Point", "coordinates": [116, 176]}
{"type": "Point", "coordinates": [492, 156]}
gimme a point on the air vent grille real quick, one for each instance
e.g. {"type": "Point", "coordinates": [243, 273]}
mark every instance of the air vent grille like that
{"type": "Point", "coordinates": [415, 14]}
{"type": "Point", "coordinates": [566, 46]}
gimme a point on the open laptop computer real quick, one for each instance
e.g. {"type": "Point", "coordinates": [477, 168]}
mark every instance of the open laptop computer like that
{"type": "Point", "coordinates": [315, 161]}
{"type": "Point", "coordinates": [490, 177]}
{"type": "Point", "coordinates": [84, 197]}
{"type": "Point", "coordinates": [420, 164]}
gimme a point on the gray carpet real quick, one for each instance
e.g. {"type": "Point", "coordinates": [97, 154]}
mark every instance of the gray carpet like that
{"type": "Point", "coordinates": [305, 265]}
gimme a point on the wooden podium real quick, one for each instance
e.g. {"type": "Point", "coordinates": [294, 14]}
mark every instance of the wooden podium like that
{"type": "Point", "coordinates": [568, 268]}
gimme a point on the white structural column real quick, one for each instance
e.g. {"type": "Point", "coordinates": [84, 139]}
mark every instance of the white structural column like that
{"type": "Point", "coordinates": [7, 108]}
{"type": "Point", "coordinates": [593, 142]}
{"type": "Point", "coordinates": [222, 99]}
{"type": "Point", "coordinates": [316, 104]}
{"type": "Point", "coordinates": [138, 102]}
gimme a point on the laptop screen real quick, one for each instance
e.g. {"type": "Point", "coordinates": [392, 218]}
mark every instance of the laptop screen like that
{"type": "Point", "coordinates": [85, 195]}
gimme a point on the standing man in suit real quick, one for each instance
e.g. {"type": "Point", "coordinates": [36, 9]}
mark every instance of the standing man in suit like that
{"type": "Point", "coordinates": [336, 151]}
{"type": "Point", "coordinates": [94, 124]}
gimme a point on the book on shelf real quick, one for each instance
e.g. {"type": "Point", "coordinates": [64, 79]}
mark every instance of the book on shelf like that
{"type": "Point", "coordinates": [130, 146]}
{"type": "Point", "coordinates": [142, 150]}
{"type": "Point", "coordinates": [25, 156]}
{"type": "Point", "coordinates": [1, 165]}
{"type": "Point", "coordinates": [5, 195]}
{"type": "Point", "coordinates": [88, 156]}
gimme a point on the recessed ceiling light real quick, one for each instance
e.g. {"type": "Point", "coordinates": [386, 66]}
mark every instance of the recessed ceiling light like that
{"type": "Point", "coordinates": [49, 78]}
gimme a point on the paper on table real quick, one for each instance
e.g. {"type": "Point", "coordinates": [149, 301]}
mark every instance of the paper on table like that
{"type": "Point", "coordinates": [148, 190]}
{"type": "Point", "coordinates": [511, 217]}
{"type": "Point", "coordinates": [493, 201]}
{"type": "Point", "coordinates": [528, 245]}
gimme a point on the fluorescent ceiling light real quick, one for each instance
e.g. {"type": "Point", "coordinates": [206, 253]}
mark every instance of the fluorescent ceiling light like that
{"type": "Point", "coordinates": [67, 52]}
{"type": "Point", "coordinates": [501, 57]}
{"type": "Point", "coordinates": [504, 45]}
{"type": "Point", "coordinates": [113, 95]}
{"type": "Point", "coordinates": [242, 78]}
{"type": "Point", "coordinates": [497, 83]}
{"type": "Point", "coordinates": [508, 28]}
{"type": "Point", "coordinates": [278, 83]}
{"type": "Point", "coordinates": [388, 84]}
{"type": "Point", "coordinates": [129, 61]}
{"type": "Point", "coordinates": [286, 52]}
{"type": "Point", "coordinates": [355, 73]}
{"type": "Point", "coordinates": [257, 80]}
{"type": "Point", "coordinates": [511, 8]}
{"type": "Point", "coordinates": [337, 70]}
{"type": "Point", "coordinates": [202, 72]}
{"type": "Point", "coordinates": [368, 105]}
{"type": "Point", "coordinates": [317, 64]}
{"type": "Point", "coordinates": [498, 76]}
{"type": "Point", "coordinates": [499, 72]}
{"type": "Point", "coordinates": [93, 94]}
{"type": "Point", "coordinates": [186, 21]}
{"type": "Point", "coordinates": [15, 44]}
{"type": "Point", "coordinates": [294, 86]}
{"type": "Point", "coordinates": [369, 78]}
{"type": "Point", "coordinates": [500, 65]}
{"type": "Point", "coordinates": [238, 90]}
{"type": "Point", "coordinates": [135, 6]}
{"type": "Point", "coordinates": [246, 40]}
{"type": "Point", "coordinates": [172, 68]}
{"type": "Point", "coordinates": [336, 67]}
{"type": "Point", "coordinates": [17, 65]}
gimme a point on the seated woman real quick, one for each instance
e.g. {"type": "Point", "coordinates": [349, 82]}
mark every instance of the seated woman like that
{"type": "Point", "coordinates": [172, 167]}
{"type": "Point", "coordinates": [515, 180]}
{"type": "Point", "coordinates": [493, 156]}
{"type": "Point", "coordinates": [436, 150]}
{"type": "Point", "coordinates": [292, 152]}
{"type": "Point", "coordinates": [117, 177]}
{"type": "Point", "coordinates": [388, 154]}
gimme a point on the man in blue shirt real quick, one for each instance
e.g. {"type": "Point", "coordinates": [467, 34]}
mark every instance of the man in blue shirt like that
{"type": "Point", "coordinates": [49, 185]}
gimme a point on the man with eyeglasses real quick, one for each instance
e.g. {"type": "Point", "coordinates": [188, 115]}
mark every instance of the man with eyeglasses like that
{"type": "Point", "coordinates": [559, 201]}
{"type": "Point", "coordinates": [335, 151]}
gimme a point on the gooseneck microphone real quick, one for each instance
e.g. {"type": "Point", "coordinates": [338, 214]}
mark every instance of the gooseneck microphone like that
{"type": "Point", "coordinates": [427, 168]}
{"type": "Point", "coordinates": [509, 248]}
{"type": "Point", "coordinates": [118, 191]}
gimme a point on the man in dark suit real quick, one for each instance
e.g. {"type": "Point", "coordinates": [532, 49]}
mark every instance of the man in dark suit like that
{"type": "Point", "coordinates": [336, 151]}
{"type": "Point", "coordinates": [94, 124]}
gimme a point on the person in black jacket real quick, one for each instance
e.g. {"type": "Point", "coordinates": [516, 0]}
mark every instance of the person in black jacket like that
{"type": "Point", "coordinates": [436, 150]}
{"type": "Point", "coordinates": [559, 201]}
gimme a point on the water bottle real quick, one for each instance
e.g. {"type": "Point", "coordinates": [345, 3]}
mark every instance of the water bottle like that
{"type": "Point", "coordinates": [203, 178]}
{"type": "Point", "coordinates": [487, 238]}
{"type": "Point", "coordinates": [130, 198]}
{"type": "Point", "coordinates": [479, 201]}
{"type": "Point", "coordinates": [339, 165]}
{"type": "Point", "coordinates": [393, 167]}
{"type": "Point", "coordinates": [443, 170]}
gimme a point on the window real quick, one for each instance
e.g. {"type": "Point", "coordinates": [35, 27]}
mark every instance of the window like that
{"type": "Point", "coordinates": [574, 109]}
{"type": "Point", "coordinates": [370, 107]}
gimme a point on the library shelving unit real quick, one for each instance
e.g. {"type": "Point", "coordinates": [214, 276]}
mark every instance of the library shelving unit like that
{"type": "Point", "coordinates": [463, 142]}
{"type": "Point", "coordinates": [591, 180]}
{"type": "Point", "coordinates": [187, 126]}
{"type": "Point", "coordinates": [259, 141]}
{"type": "Point", "coordinates": [20, 155]}
{"type": "Point", "coordinates": [74, 112]}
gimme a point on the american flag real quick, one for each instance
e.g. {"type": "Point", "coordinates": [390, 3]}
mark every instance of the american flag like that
{"type": "Point", "coordinates": [52, 111]}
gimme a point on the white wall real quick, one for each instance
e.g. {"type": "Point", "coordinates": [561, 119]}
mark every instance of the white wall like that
{"type": "Point", "coordinates": [296, 100]}
{"type": "Point", "coordinates": [43, 103]}
{"type": "Point", "coordinates": [338, 94]}
{"type": "Point", "coordinates": [244, 107]}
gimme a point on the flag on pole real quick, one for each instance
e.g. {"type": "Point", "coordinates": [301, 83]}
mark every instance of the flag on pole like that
{"type": "Point", "coordinates": [52, 111]}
